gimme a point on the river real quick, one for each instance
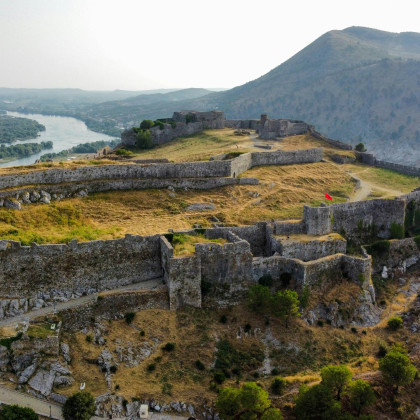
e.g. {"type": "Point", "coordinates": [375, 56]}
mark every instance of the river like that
{"type": "Point", "coordinates": [64, 132]}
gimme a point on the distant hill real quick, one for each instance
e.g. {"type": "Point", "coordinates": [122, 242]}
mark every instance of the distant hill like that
{"type": "Point", "coordinates": [136, 108]}
{"type": "Point", "coordinates": [358, 84]}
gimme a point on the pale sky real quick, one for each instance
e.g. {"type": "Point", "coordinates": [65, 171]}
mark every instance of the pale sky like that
{"type": "Point", "coordinates": [142, 44]}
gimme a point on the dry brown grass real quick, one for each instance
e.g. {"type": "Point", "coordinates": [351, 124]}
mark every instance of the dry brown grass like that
{"type": "Point", "coordinates": [282, 192]}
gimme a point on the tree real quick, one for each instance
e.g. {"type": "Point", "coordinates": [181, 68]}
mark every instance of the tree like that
{"type": "Point", "coordinates": [246, 403]}
{"type": "Point", "coordinates": [316, 402]}
{"type": "Point", "coordinates": [278, 385]}
{"type": "Point", "coordinates": [394, 323]}
{"type": "Point", "coordinates": [144, 139]}
{"type": "Point", "coordinates": [14, 412]}
{"type": "Point", "coordinates": [361, 395]}
{"type": "Point", "coordinates": [360, 147]}
{"type": "Point", "coordinates": [336, 378]}
{"type": "Point", "coordinates": [80, 406]}
{"type": "Point", "coordinates": [259, 298]}
{"type": "Point", "coordinates": [146, 124]}
{"type": "Point", "coordinates": [397, 369]}
{"type": "Point", "coordinates": [285, 304]}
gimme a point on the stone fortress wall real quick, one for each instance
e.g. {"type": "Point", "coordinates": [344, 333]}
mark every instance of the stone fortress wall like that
{"type": "Point", "coordinates": [34, 276]}
{"type": "Point", "coordinates": [38, 275]}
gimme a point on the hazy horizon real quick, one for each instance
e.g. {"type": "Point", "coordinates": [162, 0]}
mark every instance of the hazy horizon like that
{"type": "Point", "coordinates": [130, 45]}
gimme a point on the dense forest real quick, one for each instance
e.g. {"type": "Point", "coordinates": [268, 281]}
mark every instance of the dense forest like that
{"type": "Point", "coordinates": [92, 147]}
{"type": "Point", "coordinates": [23, 150]}
{"type": "Point", "coordinates": [14, 128]}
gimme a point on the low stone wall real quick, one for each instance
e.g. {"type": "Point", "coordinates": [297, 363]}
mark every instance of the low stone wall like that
{"type": "Point", "coordinates": [41, 273]}
{"type": "Point", "coordinates": [335, 143]}
{"type": "Point", "coordinates": [370, 159]}
{"type": "Point", "coordinates": [72, 189]}
{"type": "Point", "coordinates": [241, 164]}
{"type": "Point", "coordinates": [289, 227]}
{"type": "Point", "coordinates": [114, 306]}
{"type": "Point", "coordinates": [287, 157]}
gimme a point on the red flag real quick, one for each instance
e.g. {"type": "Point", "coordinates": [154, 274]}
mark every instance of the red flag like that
{"type": "Point", "coordinates": [328, 197]}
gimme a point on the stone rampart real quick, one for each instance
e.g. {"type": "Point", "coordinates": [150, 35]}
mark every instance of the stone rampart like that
{"type": "Point", "coordinates": [352, 217]}
{"type": "Point", "coordinates": [370, 159]}
{"type": "Point", "coordinates": [308, 249]}
{"type": "Point", "coordinates": [289, 227]}
{"type": "Point", "coordinates": [229, 263]}
{"type": "Point", "coordinates": [271, 129]}
{"type": "Point", "coordinates": [70, 189]}
{"type": "Point", "coordinates": [243, 124]}
{"type": "Point", "coordinates": [255, 235]}
{"type": "Point", "coordinates": [46, 272]}
{"type": "Point", "coordinates": [241, 164]}
{"type": "Point", "coordinates": [335, 143]}
{"type": "Point", "coordinates": [287, 157]}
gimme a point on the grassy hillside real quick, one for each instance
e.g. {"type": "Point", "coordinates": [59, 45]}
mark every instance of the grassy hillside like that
{"type": "Point", "coordinates": [280, 195]}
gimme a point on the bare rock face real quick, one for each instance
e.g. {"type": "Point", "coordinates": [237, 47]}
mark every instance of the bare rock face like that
{"type": "Point", "coordinates": [43, 381]}
{"type": "Point", "coordinates": [12, 203]}
{"type": "Point", "coordinates": [26, 374]}
{"type": "Point", "coordinates": [65, 351]}
{"type": "Point", "coordinates": [201, 207]}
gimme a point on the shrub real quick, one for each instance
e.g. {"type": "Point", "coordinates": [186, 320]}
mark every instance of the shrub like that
{"type": "Point", "coordinates": [113, 369]}
{"type": "Point", "coordinates": [14, 412]}
{"type": "Point", "coordinates": [159, 124]}
{"type": "Point", "coordinates": [336, 378]}
{"type": "Point", "coordinates": [205, 287]}
{"type": "Point", "coordinates": [247, 328]}
{"type": "Point", "coordinates": [123, 152]}
{"type": "Point", "coordinates": [278, 385]}
{"type": "Point", "coordinates": [417, 241]}
{"type": "Point", "coordinates": [285, 279]}
{"type": "Point", "coordinates": [146, 124]}
{"type": "Point", "coordinates": [266, 280]}
{"type": "Point", "coordinates": [80, 406]}
{"type": "Point", "coordinates": [223, 319]}
{"type": "Point", "coordinates": [361, 395]}
{"type": "Point", "coordinates": [379, 248]}
{"type": "Point", "coordinates": [151, 367]}
{"type": "Point", "coordinates": [89, 338]}
{"type": "Point", "coordinates": [395, 323]}
{"type": "Point", "coordinates": [129, 317]}
{"type": "Point", "coordinates": [144, 139]}
{"type": "Point", "coordinates": [320, 323]}
{"type": "Point", "coordinates": [199, 365]}
{"type": "Point", "coordinates": [360, 147]}
{"type": "Point", "coordinates": [219, 377]}
{"type": "Point", "coordinates": [304, 297]}
{"type": "Point", "coordinates": [142, 333]}
{"type": "Point", "coordinates": [169, 347]}
{"type": "Point", "coordinates": [167, 388]}
{"type": "Point", "coordinates": [259, 298]}
{"type": "Point", "coordinates": [397, 231]}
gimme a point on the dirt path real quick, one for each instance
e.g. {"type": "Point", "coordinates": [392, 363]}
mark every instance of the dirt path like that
{"type": "Point", "coordinates": [149, 284]}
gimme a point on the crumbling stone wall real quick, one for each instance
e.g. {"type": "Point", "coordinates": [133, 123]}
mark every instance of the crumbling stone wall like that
{"type": "Point", "coordinates": [271, 129]}
{"type": "Point", "coordinates": [62, 271]}
{"type": "Point", "coordinates": [335, 143]}
{"type": "Point", "coordinates": [308, 250]}
{"type": "Point", "coordinates": [243, 124]}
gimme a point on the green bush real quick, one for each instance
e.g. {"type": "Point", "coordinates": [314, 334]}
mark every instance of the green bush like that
{"type": "Point", "coordinates": [144, 139]}
{"type": "Point", "coordinates": [397, 231]}
{"type": "Point", "coordinates": [417, 241]}
{"type": "Point", "coordinates": [219, 377]}
{"type": "Point", "coordinates": [169, 347]}
{"type": "Point", "coordinates": [146, 124]}
{"type": "Point", "coordinates": [223, 319]}
{"type": "Point", "coordinates": [199, 365]}
{"type": "Point", "coordinates": [14, 412]}
{"type": "Point", "coordinates": [151, 367]}
{"type": "Point", "coordinates": [80, 406]}
{"type": "Point", "coordinates": [129, 317]}
{"type": "Point", "coordinates": [304, 297]}
{"type": "Point", "coordinates": [159, 124]}
{"type": "Point", "coordinates": [123, 152]}
{"type": "Point", "coordinates": [395, 323]}
{"type": "Point", "coordinates": [378, 248]}
{"type": "Point", "coordinates": [360, 147]}
{"type": "Point", "coordinates": [113, 369]}
{"type": "Point", "coordinates": [278, 385]}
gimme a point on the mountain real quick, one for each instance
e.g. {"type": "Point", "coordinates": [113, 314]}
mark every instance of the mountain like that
{"type": "Point", "coordinates": [136, 108]}
{"type": "Point", "coordinates": [358, 84]}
